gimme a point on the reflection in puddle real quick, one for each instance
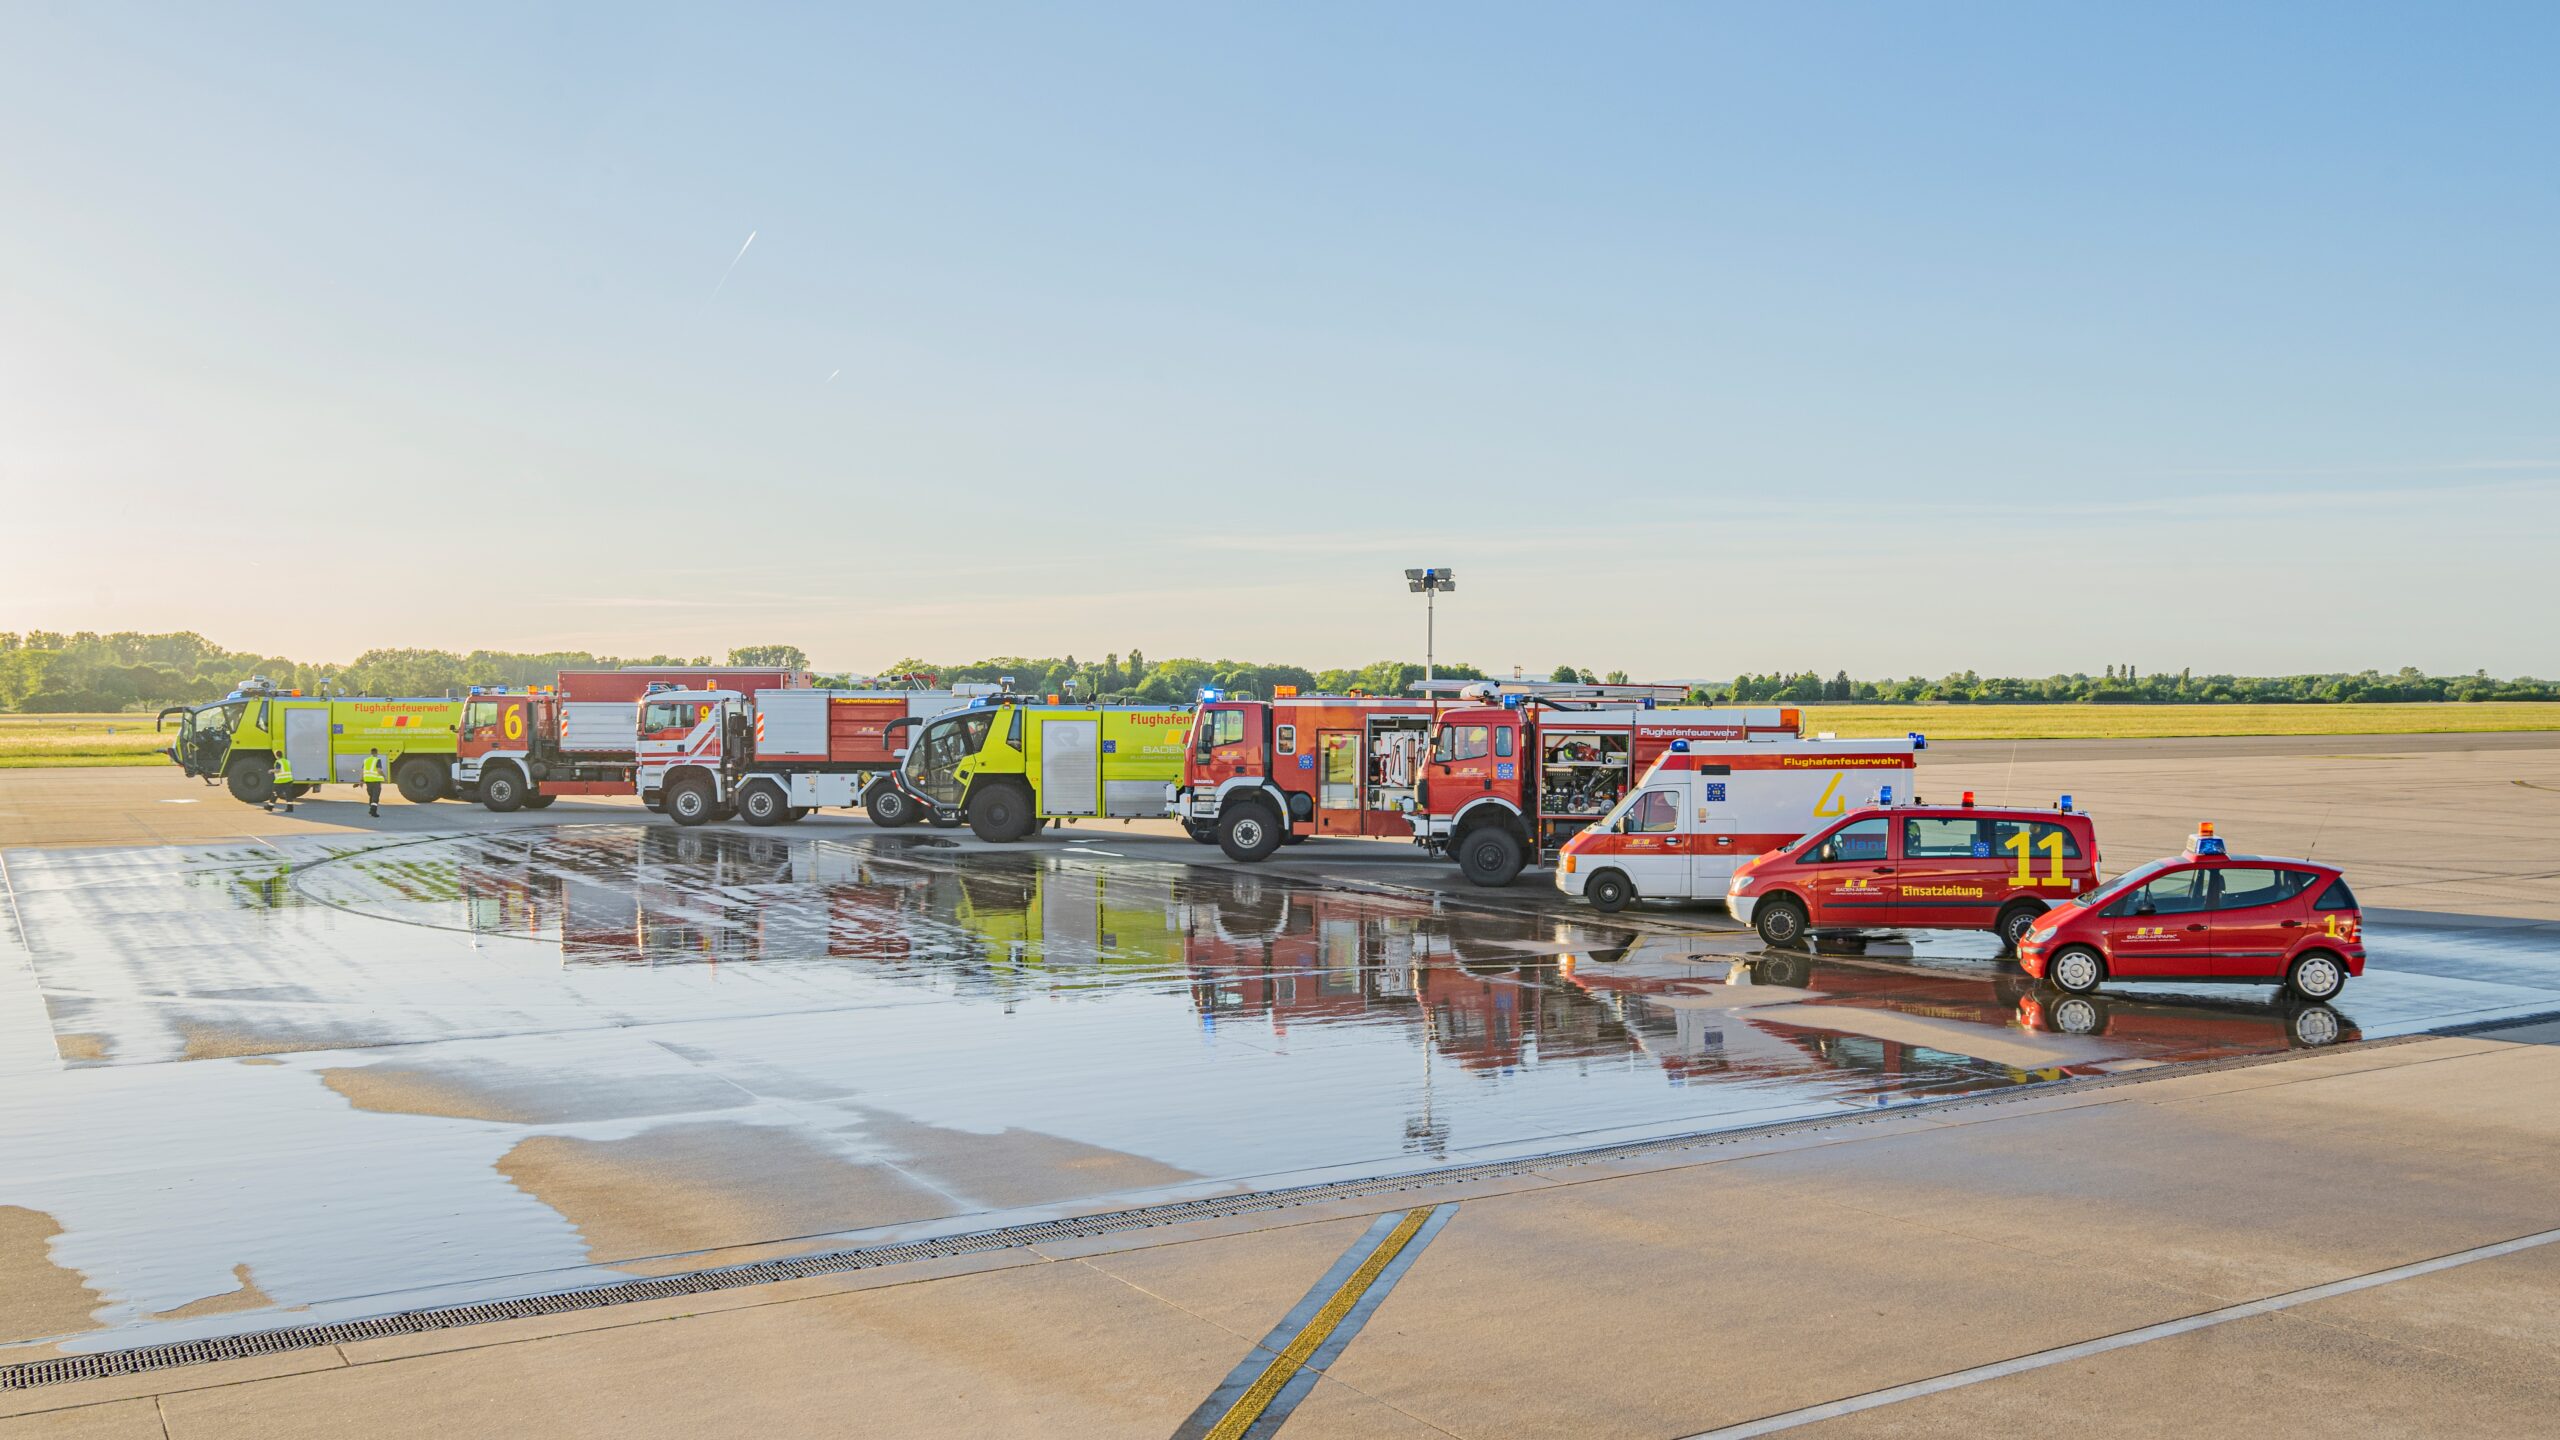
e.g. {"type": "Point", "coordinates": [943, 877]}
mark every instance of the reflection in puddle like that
{"type": "Point", "coordinates": [459, 1067]}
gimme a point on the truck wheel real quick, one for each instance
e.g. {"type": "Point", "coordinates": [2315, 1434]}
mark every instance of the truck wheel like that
{"type": "Point", "coordinates": [539, 802]}
{"type": "Point", "coordinates": [798, 813]}
{"type": "Point", "coordinates": [763, 803]}
{"type": "Point", "coordinates": [294, 792]}
{"type": "Point", "coordinates": [1609, 892]}
{"type": "Point", "coordinates": [2013, 925]}
{"type": "Point", "coordinates": [689, 802]}
{"type": "Point", "coordinates": [1781, 923]}
{"type": "Point", "coordinates": [419, 781]}
{"type": "Point", "coordinates": [1204, 833]}
{"type": "Point", "coordinates": [1002, 812]}
{"type": "Point", "coordinates": [1248, 831]}
{"type": "Point", "coordinates": [251, 783]}
{"type": "Point", "coordinates": [888, 806]}
{"type": "Point", "coordinates": [1490, 855]}
{"type": "Point", "coordinates": [501, 788]}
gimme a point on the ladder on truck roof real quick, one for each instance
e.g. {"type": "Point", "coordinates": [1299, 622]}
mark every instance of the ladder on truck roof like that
{"type": "Point", "coordinates": [1548, 692]}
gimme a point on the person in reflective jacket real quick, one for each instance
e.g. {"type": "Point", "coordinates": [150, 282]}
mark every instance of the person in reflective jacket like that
{"type": "Point", "coordinates": [373, 781]}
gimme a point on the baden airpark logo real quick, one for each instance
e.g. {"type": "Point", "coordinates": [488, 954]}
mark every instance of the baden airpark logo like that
{"type": "Point", "coordinates": [2153, 933]}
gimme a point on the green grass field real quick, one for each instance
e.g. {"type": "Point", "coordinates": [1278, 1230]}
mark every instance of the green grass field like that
{"type": "Point", "coordinates": [35, 740]}
{"type": "Point", "coordinates": [2152, 722]}
{"type": "Point", "coordinates": [27, 741]}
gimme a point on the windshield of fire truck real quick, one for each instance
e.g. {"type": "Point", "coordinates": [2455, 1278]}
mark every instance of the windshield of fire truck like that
{"type": "Point", "coordinates": [659, 716]}
{"type": "Point", "coordinates": [946, 743]}
{"type": "Point", "coordinates": [211, 721]}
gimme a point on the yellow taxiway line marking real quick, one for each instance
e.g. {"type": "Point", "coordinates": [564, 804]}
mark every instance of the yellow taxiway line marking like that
{"type": "Point", "coordinates": [1258, 1397]}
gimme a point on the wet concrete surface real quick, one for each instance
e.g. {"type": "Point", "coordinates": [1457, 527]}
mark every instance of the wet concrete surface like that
{"type": "Point", "coordinates": [244, 1084]}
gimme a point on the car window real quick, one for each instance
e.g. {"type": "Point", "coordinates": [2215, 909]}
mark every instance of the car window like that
{"type": "Point", "coordinates": [1654, 812]}
{"type": "Point", "coordinates": [1927, 838]}
{"type": "Point", "coordinates": [2179, 892]}
{"type": "Point", "coordinates": [2040, 835]}
{"type": "Point", "coordinates": [1502, 742]}
{"type": "Point", "coordinates": [1863, 840]}
{"type": "Point", "coordinates": [2246, 887]}
{"type": "Point", "coordinates": [2336, 897]}
{"type": "Point", "coordinates": [2126, 881]}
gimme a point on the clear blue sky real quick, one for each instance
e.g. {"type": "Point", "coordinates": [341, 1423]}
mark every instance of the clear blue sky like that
{"type": "Point", "coordinates": [1699, 338]}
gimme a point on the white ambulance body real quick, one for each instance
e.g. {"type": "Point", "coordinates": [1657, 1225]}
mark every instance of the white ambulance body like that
{"type": "Point", "coordinates": [1704, 808]}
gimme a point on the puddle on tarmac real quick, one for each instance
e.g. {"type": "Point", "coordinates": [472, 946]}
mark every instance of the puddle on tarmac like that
{"type": "Point", "coordinates": [424, 1071]}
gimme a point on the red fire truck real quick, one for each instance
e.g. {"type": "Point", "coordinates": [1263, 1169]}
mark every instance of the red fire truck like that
{"type": "Point", "coordinates": [525, 748]}
{"type": "Point", "coordinates": [1507, 783]}
{"type": "Point", "coordinates": [1260, 773]}
{"type": "Point", "coordinates": [775, 755]}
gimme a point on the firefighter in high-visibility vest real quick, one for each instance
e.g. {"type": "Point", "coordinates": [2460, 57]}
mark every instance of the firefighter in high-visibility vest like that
{"type": "Point", "coordinates": [278, 791]}
{"type": "Point", "coordinates": [373, 781]}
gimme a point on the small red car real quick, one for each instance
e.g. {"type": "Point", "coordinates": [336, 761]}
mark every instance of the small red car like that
{"type": "Point", "coordinates": [2206, 916]}
{"type": "Point", "coordinates": [1919, 867]}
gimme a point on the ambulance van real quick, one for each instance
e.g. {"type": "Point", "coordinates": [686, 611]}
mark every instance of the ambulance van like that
{"type": "Point", "coordinates": [1705, 807]}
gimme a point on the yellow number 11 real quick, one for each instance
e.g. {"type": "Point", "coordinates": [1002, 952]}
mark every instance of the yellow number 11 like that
{"type": "Point", "coordinates": [2025, 847]}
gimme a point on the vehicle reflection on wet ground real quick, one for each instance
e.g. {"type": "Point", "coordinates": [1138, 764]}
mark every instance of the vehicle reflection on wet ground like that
{"type": "Point", "coordinates": [454, 1067]}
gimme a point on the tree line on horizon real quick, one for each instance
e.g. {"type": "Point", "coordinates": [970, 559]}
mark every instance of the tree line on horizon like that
{"type": "Point", "coordinates": [47, 672]}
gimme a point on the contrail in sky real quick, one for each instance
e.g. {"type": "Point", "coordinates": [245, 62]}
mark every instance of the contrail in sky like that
{"type": "Point", "coordinates": [832, 374]}
{"type": "Point", "coordinates": [733, 264]}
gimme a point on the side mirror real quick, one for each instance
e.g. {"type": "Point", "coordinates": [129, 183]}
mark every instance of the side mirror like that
{"type": "Point", "coordinates": [2145, 907]}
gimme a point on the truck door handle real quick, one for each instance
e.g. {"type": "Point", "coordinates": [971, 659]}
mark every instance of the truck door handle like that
{"type": "Point", "coordinates": [2195, 927]}
{"type": "Point", "coordinates": [1884, 870]}
{"type": "Point", "coordinates": [2293, 924]}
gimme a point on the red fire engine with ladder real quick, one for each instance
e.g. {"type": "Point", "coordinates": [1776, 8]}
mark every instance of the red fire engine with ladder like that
{"type": "Point", "coordinates": [1514, 774]}
{"type": "Point", "coordinates": [1262, 773]}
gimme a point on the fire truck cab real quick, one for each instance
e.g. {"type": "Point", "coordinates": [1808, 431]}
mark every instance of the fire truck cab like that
{"type": "Point", "coordinates": [1262, 773]}
{"type": "Point", "coordinates": [1705, 809]}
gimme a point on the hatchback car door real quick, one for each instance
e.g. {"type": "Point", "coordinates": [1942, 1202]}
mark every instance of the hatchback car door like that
{"type": "Point", "coordinates": [2164, 929]}
{"type": "Point", "coordinates": [2259, 914]}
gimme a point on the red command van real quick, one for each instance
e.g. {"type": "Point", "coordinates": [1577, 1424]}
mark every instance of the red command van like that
{"type": "Point", "coordinates": [1919, 867]}
{"type": "Point", "coordinates": [2206, 916]}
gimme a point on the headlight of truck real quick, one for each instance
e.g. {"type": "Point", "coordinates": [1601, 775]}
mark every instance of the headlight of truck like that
{"type": "Point", "coordinates": [1740, 884]}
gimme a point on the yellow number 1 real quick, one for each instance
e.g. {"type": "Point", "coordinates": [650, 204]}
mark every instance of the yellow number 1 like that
{"type": "Point", "coordinates": [2025, 845]}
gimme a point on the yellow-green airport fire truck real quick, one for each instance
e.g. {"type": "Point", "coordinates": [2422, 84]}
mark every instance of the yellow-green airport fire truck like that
{"type": "Point", "coordinates": [1006, 767]}
{"type": "Point", "coordinates": [238, 738]}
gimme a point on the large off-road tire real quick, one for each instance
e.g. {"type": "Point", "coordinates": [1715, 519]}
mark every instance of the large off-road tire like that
{"type": "Point", "coordinates": [1609, 891]}
{"type": "Point", "coordinates": [1249, 831]}
{"type": "Point", "coordinates": [1001, 812]}
{"type": "Point", "coordinates": [502, 789]}
{"type": "Point", "coordinates": [761, 802]}
{"type": "Point", "coordinates": [2075, 970]}
{"type": "Point", "coordinates": [689, 802]}
{"type": "Point", "coordinates": [1780, 919]}
{"type": "Point", "coordinates": [890, 807]}
{"type": "Point", "coordinates": [421, 780]}
{"type": "Point", "coordinates": [2013, 925]}
{"type": "Point", "coordinates": [2318, 976]}
{"type": "Point", "coordinates": [294, 791]}
{"type": "Point", "coordinates": [251, 782]}
{"type": "Point", "coordinates": [1490, 855]}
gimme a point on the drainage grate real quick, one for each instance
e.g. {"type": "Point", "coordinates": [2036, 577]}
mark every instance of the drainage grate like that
{"type": "Point", "coordinates": [144, 1358]}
